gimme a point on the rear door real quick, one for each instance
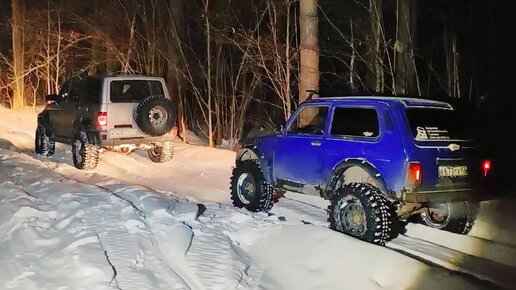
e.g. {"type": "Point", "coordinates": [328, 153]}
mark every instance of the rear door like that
{"type": "Point", "coordinates": [124, 97]}
{"type": "Point", "coordinates": [298, 152]}
{"type": "Point", "coordinates": [58, 112]}
{"type": "Point", "coordinates": [445, 147]}
{"type": "Point", "coordinates": [71, 108]}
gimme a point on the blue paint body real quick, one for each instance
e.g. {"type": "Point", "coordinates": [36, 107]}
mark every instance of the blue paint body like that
{"type": "Point", "coordinates": [298, 162]}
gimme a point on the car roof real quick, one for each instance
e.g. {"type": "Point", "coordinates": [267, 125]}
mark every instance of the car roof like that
{"type": "Point", "coordinates": [390, 101]}
{"type": "Point", "coordinates": [126, 76]}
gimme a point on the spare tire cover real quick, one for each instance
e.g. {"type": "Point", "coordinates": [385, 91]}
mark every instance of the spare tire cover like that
{"type": "Point", "coordinates": [155, 116]}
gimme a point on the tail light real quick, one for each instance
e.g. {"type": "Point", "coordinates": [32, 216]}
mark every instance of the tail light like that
{"type": "Point", "coordinates": [486, 167]}
{"type": "Point", "coordinates": [414, 175]}
{"type": "Point", "coordinates": [102, 119]}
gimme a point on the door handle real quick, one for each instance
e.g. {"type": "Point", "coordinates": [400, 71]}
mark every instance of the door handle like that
{"type": "Point", "coordinates": [315, 143]}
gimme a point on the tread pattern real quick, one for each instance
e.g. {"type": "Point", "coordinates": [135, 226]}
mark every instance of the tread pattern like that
{"type": "Point", "coordinates": [379, 229]}
{"type": "Point", "coordinates": [142, 111]}
{"type": "Point", "coordinates": [88, 152]}
{"type": "Point", "coordinates": [264, 198]}
{"type": "Point", "coordinates": [44, 145]}
{"type": "Point", "coordinates": [461, 221]}
{"type": "Point", "coordinates": [162, 152]}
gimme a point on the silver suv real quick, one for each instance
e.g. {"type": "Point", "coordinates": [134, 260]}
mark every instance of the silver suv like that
{"type": "Point", "coordinates": [121, 113]}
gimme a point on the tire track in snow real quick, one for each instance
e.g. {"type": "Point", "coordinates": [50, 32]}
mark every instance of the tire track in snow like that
{"type": "Point", "coordinates": [119, 227]}
{"type": "Point", "coordinates": [217, 260]}
{"type": "Point", "coordinates": [480, 268]}
{"type": "Point", "coordinates": [425, 251]}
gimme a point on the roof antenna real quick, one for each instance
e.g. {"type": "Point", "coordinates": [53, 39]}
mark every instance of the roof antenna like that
{"type": "Point", "coordinates": [311, 94]}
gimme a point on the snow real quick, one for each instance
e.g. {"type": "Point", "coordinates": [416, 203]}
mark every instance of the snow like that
{"type": "Point", "coordinates": [133, 224]}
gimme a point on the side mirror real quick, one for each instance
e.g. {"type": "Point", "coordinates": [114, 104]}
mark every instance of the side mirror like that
{"type": "Point", "coordinates": [278, 129]}
{"type": "Point", "coordinates": [52, 98]}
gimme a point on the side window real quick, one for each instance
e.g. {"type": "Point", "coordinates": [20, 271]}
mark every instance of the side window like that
{"type": "Point", "coordinates": [92, 90]}
{"type": "Point", "coordinates": [76, 89]}
{"type": "Point", "coordinates": [310, 120]}
{"type": "Point", "coordinates": [356, 122]}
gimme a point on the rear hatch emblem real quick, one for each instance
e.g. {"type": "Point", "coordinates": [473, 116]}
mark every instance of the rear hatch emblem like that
{"type": "Point", "coordinates": [454, 147]}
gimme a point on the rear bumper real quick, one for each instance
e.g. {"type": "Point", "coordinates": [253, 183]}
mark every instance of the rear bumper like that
{"type": "Point", "coordinates": [466, 194]}
{"type": "Point", "coordinates": [136, 141]}
{"type": "Point", "coordinates": [104, 140]}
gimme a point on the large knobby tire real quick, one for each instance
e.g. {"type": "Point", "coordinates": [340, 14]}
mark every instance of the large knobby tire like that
{"type": "Point", "coordinates": [44, 145]}
{"type": "Point", "coordinates": [161, 152]}
{"type": "Point", "coordinates": [249, 188]}
{"type": "Point", "coordinates": [361, 210]}
{"type": "Point", "coordinates": [459, 219]}
{"type": "Point", "coordinates": [155, 116]}
{"type": "Point", "coordinates": [85, 155]}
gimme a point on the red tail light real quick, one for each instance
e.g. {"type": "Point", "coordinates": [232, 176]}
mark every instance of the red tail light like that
{"type": "Point", "coordinates": [102, 119]}
{"type": "Point", "coordinates": [415, 174]}
{"type": "Point", "coordinates": [486, 166]}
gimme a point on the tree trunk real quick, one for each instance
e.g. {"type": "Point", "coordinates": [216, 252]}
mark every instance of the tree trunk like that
{"type": "Point", "coordinates": [18, 101]}
{"type": "Point", "coordinates": [406, 78]}
{"type": "Point", "coordinates": [208, 77]}
{"type": "Point", "coordinates": [308, 50]}
{"type": "Point", "coordinates": [175, 36]}
{"type": "Point", "coordinates": [376, 18]}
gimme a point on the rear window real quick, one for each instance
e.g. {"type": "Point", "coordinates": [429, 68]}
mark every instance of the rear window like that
{"type": "Point", "coordinates": [134, 90]}
{"type": "Point", "coordinates": [437, 125]}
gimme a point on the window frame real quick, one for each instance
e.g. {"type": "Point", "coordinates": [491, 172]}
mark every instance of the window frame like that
{"type": "Point", "coordinates": [298, 112]}
{"type": "Point", "coordinates": [107, 88]}
{"type": "Point", "coordinates": [355, 137]}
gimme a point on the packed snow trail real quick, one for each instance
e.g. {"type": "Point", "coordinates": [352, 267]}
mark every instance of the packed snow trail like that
{"type": "Point", "coordinates": [100, 218]}
{"type": "Point", "coordinates": [118, 226]}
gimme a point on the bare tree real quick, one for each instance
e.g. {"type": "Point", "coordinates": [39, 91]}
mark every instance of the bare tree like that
{"type": "Point", "coordinates": [18, 100]}
{"type": "Point", "coordinates": [308, 48]}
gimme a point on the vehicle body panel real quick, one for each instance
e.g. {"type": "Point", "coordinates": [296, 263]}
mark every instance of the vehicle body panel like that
{"type": "Point", "coordinates": [296, 164]}
{"type": "Point", "coordinates": [78, 109]}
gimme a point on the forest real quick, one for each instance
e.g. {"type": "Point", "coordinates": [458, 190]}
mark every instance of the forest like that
{"type": "Point", "coordinates": [237, 66]}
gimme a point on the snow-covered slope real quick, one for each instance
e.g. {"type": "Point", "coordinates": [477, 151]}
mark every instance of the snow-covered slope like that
{"type": "Point", "coordinates": [133, 224]}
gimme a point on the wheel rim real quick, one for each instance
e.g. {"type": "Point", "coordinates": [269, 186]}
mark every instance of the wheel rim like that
{"type": "Point", "coordinates": [157, 115]}
{"type": "Point", "coordinates": [438, 216]}
{"type": "Point", "coordinates": [78, 151]}
{"type": "Point", "coordinates": [246, 188]}
{"type": "Point", "coordinates": [353, 218]}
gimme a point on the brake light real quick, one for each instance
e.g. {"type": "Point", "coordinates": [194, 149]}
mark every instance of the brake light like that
{"type": "Point", "coordinates": [102, 119]}
{"type": "Point", "coordinates": [415, 174]}
{"type": "Point", "coordinates": [486, 166]}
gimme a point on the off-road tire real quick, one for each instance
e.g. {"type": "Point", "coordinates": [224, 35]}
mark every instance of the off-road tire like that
{"type": "Point", "coordinates": [85, 155]}
{"type": "Point", "coordinates": [161, 152]}
{"type": "Point", "coordinates": [264, 192]}
{"type": "Point", "coordinates": [376, 208]}
{"type": "Point", "coordinates": [159, 104]}
{"type": "Point", "coordinates": [461, 218]}
{"type": "Point", "coordinates": [44, 145]}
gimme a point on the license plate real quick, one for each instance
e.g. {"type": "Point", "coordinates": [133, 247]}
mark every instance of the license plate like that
{"type": "Point", "coordinates": [453, 171]}
{"type": "Point", "coordinates": [122, 133]}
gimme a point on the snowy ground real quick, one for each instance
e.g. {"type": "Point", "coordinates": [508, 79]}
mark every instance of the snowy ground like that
{"type": "Point", "coordinates": [133, 224]}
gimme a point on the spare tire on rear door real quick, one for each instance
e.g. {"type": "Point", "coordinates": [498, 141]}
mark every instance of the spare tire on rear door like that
{"type": "Point", "coordinates": [155, 116]}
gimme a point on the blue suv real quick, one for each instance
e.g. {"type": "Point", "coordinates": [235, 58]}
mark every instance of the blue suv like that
{"type": "Point", "coordinates": [379, 160]}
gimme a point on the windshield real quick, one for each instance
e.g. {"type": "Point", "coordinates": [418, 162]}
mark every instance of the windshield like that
{"type": "Point", "coordinates": [134, 90]}
{"type": "Point", "coordinates": [429, 124]}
